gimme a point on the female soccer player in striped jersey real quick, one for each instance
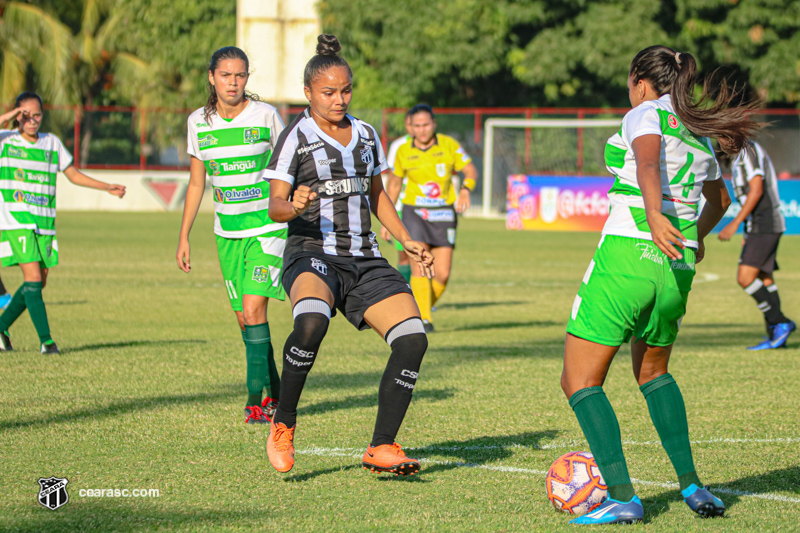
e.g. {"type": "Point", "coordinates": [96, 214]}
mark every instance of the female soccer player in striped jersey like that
{"type": "Point", "coordinates": [29, 163]}
{"type": "Point", "coordinates": [639, 279]}
{"type": "Point", "coordinates": [329, 163]}
{"type": "Point", "coordinates": [231, 140]}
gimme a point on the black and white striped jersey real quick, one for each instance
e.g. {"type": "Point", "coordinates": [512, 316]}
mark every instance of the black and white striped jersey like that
{"type": "Point", "coordinates": [767, 216]}
{"type": "Point", "coordinates": [338, 221]}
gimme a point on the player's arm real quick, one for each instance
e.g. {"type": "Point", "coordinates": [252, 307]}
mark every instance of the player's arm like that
{"type": "Point", "coordinates": [383, 208]}
{"type": "Point", "coordinates": [5, 117]}
{"type": "Point", "coordinates": [394, 185]}
{"type": "Point", "coordinates": [191, 205]}
{"type": "Point", "coordinates": [281, 208]}
{"type": "Point", "coordinates": [470, 179]}
{"type": "Point", "coordinates": [79, 178]}
{"type": "Point", "coordinates": [717, 202]}
{"type": "Point", "coordinates": [753, 196]}
{"type": "Point", "coordinates": [647, 152]}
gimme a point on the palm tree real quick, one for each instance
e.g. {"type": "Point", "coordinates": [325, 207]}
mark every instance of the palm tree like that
{"type": "Point", "coordinates": [70, 69]}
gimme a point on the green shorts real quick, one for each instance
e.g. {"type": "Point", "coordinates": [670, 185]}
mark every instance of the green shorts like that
{"type": "Point", "coordinates": [632, 289]}
{"type": "Point", "coordinates": [20, 246]}
{"type": "Point", "coordinates": [252, 265]}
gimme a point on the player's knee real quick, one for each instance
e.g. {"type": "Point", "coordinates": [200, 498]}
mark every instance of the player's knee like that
{"type": "Point", "coordinates": [409, 343]}
{"type": "Point", "coordinates": [311, 319]}
{"type": "Point", "coordinates": [254, 315]}
{"type": "Point", "coordinates": [745, 279]}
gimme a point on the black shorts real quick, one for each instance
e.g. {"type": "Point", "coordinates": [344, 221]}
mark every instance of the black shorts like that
{"type": "Point", "coordinates": [357, 283]}
{"type": "Point", "coordinates": [433, 226]}
{"type": "Point", "coordinates": [760, 250]}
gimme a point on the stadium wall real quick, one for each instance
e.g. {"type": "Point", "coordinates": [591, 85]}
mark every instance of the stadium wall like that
{"type": "Point", "coordinates": [146, 191]}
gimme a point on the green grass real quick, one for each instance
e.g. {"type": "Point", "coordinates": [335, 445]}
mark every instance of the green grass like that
{"type": "Point", "coordinates": [149, 392]}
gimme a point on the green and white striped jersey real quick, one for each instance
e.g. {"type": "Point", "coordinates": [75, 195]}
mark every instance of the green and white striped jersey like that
{"type": "Point", "coordinates": [236, 154]}
{"type": "Point", "coordinates": [687, 160]}
{"type": "Point", "coordinates": [28, 181]}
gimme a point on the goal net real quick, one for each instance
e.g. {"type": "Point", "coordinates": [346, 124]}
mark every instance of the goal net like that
{"type": "Point", "coordinates": [540, 147]}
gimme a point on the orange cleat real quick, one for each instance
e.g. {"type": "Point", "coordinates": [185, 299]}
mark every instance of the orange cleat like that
{"type": "Point", "coordinates": [280, 448]}
{"type": "Point", "coordinates": [389, 458]}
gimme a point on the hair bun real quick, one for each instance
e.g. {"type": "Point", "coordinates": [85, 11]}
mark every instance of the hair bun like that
{"type": "Point", "coordinates": [328, 45]}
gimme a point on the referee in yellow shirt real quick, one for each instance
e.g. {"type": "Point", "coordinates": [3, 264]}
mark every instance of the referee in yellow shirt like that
{"type": "Point", "coordinates": [431, 202]}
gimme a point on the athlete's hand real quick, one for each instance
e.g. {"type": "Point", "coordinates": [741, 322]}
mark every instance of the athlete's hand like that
{"type": "Point", "coordinates": [701, 251]}
{"type": "Point", "coordinates": [182, 255]}
{"type": "Point", "coordinates": [302, 198]}
{"type": "Point", "coordinates": [463, 203]}
{"type": "Point", "coordinates": [117, 190]}
{"type": "Point", "coordinates": [10, 115]}
{"type": "Point", "coordinates": [423, 257]}
{"type": "Point", "coordinates": [666, 236]}
{"type": "Point", "coordinates": [728, 232]}
{"type": "Point", "coordinates": [385, 235]}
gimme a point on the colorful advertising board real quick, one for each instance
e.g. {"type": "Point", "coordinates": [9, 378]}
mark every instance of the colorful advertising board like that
{"type": "Point", "coordinates": [570, 203]}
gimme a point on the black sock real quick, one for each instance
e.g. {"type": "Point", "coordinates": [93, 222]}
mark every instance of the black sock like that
{"type": "Point", "coordinates": [311, 319]}
{"type": "Point", "coordinates": [2, 288]}
{"type": "Point", "coordinates": [408, 342]}
{"type": "Point", "coordinates": [762, 296]}
{"type": "Point", "coordinates": [775, 303]}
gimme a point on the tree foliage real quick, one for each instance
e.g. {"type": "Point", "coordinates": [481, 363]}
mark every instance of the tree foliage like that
{"type": "Point", "coordinates": [543, 52]}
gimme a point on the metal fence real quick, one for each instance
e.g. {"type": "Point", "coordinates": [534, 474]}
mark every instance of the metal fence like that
{"type": "Point", "coordinates": [155, 139]}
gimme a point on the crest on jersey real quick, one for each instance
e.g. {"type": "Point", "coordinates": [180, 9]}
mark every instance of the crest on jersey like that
{"type": "Point", "coordinates": [19, 174]}
{"type": "Point", "coordinates": [672, 120]}
{"type": "Point", "coordinates": [441, 170]}
{"type": "Point", "coordinates": [213, 166]}
{"type": "Point", "coordinates": [366, 155]}
{"type": "Point", "coordinates": [252, 135]}
{"type": "Point", "coordinates": [53, 492]}
{"type": "Point", "coordinates": [19, 196]}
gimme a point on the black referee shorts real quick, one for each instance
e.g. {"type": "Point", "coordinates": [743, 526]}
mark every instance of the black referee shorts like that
{"type": "Point", "coordinates": [357, 283]}
{"type": "Point", "coordinates": [433, 226]}
{"type": "Point", "coordinates": [760, 250]}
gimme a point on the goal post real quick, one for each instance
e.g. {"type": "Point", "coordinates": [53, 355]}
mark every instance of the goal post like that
{"type": "Point", "coordinates": [557, 147]}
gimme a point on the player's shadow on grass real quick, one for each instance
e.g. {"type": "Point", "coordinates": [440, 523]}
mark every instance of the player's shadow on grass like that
{"type": "Point", "coordinates": [316, 473]}
{"type": "Point", "coordinates": [123, 407]}
{"type": "Point", "coordinates": [477, 452]}
{"type": "Point", "coordinates": [716, 335]}
{"type": "Point", "coordinates": [505, 325]}
{"type": "Point", "coordinates": [352, 380]}
{"type": "Point", "coordinates": [128, 344]}
{"type": "Point", "coordinates": [69, 302]}
{"type": "Point", "coordinates": [371, 400]}
{"type": "Point", "coordinates": [472, 305]}
{"type": "Point", "coordinates": [549, 349]}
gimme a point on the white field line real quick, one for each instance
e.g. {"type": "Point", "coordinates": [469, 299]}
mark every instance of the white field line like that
{"type": "Point", "coordinates": [358, 452]}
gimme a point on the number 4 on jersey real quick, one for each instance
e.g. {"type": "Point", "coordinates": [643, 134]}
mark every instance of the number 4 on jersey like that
{"type": "Point", "coordinates": [689, 185]}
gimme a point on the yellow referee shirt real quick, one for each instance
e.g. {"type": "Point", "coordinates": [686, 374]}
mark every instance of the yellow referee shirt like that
{"type": "Point", "coordinates": [428, 172]}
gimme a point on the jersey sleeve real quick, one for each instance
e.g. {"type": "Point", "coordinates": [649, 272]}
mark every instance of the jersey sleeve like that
{"type": "Point", "coordinates": [641, 120]}
{"type": "Point", "coordinates": [64, 157]}
{"type": "Point", "coordinates": [380, 156]}
{"type": "Point", "coordinates": [754, 166]}
{"type": "Point", "coordinates": [392, 155]}
{"type": "Point", "coordinates": [714, 172]}
{"type": "Point", "coordinates": [275, 127]}
{"type": "Point", "coordinates": [284, 162]}
{"type": "Point", "coordinates": [192, 147]}
{"type": "Point", "coordinates": [460, 156]}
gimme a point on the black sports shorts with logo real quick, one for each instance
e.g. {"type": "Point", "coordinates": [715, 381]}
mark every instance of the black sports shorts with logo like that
{"type": "Point", "coordinates": [357, 283]}
{"type": "Point", "coordinates": [760, 250]}
{"type": "Point", "coordinates": [433, 226]}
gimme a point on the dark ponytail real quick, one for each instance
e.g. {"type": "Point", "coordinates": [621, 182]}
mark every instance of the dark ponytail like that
{"type": "Point", "coordinates": [228, 52]}
{"type": "Point", "coordinates": [725, 117]}
{"type": "Point", "coordinates": [328, 48]}
{"type": "Point", "coordinates": [24, 97]}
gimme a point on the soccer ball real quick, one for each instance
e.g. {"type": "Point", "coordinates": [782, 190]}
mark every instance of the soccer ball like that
{"type": "Point", "coordinates": [574, 483]}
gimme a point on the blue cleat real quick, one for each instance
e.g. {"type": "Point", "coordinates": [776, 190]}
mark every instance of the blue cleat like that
{"type": "Point", "coordinates": [781, 332]}
{"type": "Point", "coordinates": [766, 344]}
{"type": "Point", "coordinates": [702, 502]}
{"type": "Point", "coordinates": [4, 301]}
{"type": "Point", "coordinates": [613, 512]}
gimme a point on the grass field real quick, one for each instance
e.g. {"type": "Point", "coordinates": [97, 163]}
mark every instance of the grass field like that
{"type": "Point", "coordinates": [149, 391]}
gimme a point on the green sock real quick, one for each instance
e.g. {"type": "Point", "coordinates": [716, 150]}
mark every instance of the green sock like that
{"type": "Point", "coordinates": [668, 412]}
{"type": "Point", "coordinates": [601, 428]}
{"type": "Point", "coordinates": [14, 310]}
{"type": "Point", "coordinates": [256, 342]}
{"type": "Point", "coordinates": [274, 376]}
{"type": "Point", "coordinates": [405, 271]}
{"type": "Point", "coordinates": [32, 291]}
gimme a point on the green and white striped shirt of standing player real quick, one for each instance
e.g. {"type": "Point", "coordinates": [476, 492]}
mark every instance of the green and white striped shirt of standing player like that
{"type": "Point", "coordinates": [235, 154]}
